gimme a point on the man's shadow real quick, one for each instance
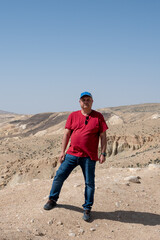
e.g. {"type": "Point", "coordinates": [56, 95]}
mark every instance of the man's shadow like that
{"type": "Point", "coordinates": [144, 218]}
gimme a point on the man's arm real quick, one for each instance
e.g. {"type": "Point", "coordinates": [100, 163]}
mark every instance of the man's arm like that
{"type": "Point", "coordinates": [103, 146]}
{"type": "Point", "coordinates": [65, 141]}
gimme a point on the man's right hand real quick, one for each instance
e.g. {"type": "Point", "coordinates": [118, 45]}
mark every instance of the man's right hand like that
{"type": "Point", "coordinates": [66, 136]}
{"type": "Point", "coordinates": [61, 157]}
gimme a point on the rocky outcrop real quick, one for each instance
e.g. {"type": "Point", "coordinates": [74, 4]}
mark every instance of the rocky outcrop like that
{"type": "Point", "coordinates": [115, 120]}
{"type": "Point", "coordinates": [155, 116]}
{"type": "Point", "coordinates": [117, 144]}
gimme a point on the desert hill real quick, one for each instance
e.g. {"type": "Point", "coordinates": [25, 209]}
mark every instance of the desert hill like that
{"type": "Point", "coordinates": [30, 144]}
{"type": "Point", "coordinates": [127, 204]}
{"type": "Point", "coordinates": [26, 125]}
{"type": "Point", "coordinates": [6, 117]}
{"type": "Point", "coordinates": [5, 112]}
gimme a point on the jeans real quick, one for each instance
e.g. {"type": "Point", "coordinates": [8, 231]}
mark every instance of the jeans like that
{"type": "Point", "coordinates": [88, 168]}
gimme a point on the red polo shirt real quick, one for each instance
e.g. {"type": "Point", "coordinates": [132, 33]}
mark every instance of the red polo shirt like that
{"type": "Point", "coordinates": [85, 137]}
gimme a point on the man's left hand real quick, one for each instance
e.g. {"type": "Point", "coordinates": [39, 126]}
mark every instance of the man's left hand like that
{"type": "Point", "coordinates": [102, 159]}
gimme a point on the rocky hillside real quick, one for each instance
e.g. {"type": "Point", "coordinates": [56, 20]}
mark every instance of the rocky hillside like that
{"type": "Point", "coordinates": [119, 119]}
{"type": "Point", "coordinates": [30, 144]}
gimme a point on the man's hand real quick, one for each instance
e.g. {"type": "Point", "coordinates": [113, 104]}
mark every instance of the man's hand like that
{"type": "Point", "coordinates": [102, 159]}
{"type": "Point", "coordinates": [61, 157]}
{"type": "Point", "coordinates": [66, 136]}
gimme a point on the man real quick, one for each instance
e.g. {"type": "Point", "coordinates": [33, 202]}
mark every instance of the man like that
{"type": "Point", "coordinates": [84, 127]}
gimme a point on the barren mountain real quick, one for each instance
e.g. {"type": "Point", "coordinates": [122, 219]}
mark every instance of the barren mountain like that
{"type": "Point", "coordinates": [28, 143]}
{"type": "Point", "coordinates": [127, 184]}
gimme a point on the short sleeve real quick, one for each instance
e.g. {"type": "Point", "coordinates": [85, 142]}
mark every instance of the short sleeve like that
{"type": "Point", "coordinates": [103, 125]}
{"type": "Point", "coordinates": [69, 122]}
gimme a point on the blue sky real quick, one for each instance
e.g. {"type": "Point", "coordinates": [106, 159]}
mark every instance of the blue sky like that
{"type": "Point", "coordinates": [52, 50]}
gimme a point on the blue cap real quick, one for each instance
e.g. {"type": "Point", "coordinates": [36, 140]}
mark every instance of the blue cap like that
{"type": "Point", "coordinates": [85, 94]}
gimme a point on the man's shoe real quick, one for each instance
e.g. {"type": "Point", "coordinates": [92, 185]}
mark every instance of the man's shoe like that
{"type": "Point", "coordinates": [50, 204]}
{"type": "Point", "coordinates": [87, 215]}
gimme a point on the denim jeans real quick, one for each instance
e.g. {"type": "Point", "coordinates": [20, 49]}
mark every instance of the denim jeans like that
{"type": "Point", "coordinates": [88, 168]}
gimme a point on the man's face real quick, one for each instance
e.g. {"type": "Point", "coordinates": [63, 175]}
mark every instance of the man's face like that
{"type": "Point", "coordinates": [86, 102]}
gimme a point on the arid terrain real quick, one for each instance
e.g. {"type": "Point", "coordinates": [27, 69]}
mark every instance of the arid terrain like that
{"type": "Point", "coordinates": [127, 197]}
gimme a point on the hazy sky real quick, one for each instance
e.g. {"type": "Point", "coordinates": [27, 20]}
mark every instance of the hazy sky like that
{"type": "Point", "coordinates": [52, 50]}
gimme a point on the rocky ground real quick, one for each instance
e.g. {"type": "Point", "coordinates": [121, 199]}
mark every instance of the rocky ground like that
{"type": "Point", "coordinates": [122, 210]}
{"type": "Point", "coordinates": [29, 150]}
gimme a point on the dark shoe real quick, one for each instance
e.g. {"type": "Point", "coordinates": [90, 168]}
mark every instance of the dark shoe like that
{"type": "Point", "coordinates": [86, 215]}
{"type": "Point", "coordinates": [50, 204]}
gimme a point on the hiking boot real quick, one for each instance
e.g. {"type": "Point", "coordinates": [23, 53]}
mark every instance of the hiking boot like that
{"type": "Point", "coordinates": [50, 204]}
{"type": "Point", "coordinates": [86, 215]}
